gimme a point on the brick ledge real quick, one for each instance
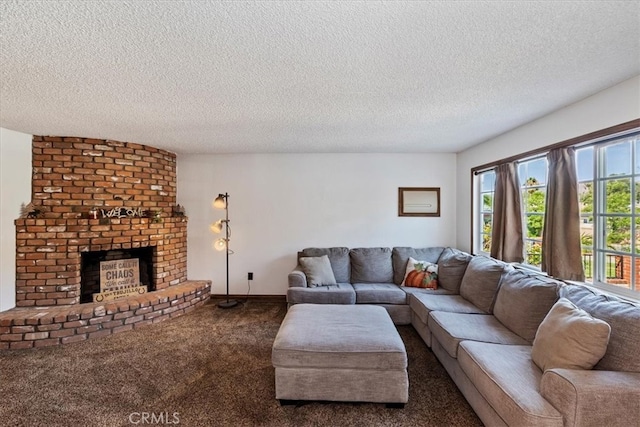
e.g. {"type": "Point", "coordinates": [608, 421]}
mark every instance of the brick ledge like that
{"type": "Point", "coordinates": [26, 327]}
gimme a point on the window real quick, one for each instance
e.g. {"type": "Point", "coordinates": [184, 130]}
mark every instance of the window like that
{"type": "Point", "coordinates": [532, 175]}
{"type": "Point", "coordinates": [487, 183]}
{"type": "Point", "coordinates": [609, 179]}
{"type": "Point", "coordinates": [608, 171]}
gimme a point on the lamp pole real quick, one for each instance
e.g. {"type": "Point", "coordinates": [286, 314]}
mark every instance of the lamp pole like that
{"type": "Point", "coordinates": [228, 303]}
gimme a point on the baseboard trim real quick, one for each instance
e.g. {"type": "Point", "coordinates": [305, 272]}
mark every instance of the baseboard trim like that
{"type": "Point", "coordinates": [245, 297]}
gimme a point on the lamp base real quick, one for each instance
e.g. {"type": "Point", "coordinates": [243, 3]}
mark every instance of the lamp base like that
{"type": "Point", "coordinates": [227, 303]}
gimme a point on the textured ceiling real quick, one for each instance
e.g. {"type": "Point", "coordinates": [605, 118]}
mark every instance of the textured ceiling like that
{"type": "Point", "coordinates": [239, 77]}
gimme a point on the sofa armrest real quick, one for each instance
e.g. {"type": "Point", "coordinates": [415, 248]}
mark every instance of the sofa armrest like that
{"type": "Point", "coordinates": [593, 398]}
{"type": "Point", "coordinates": [297, 279]}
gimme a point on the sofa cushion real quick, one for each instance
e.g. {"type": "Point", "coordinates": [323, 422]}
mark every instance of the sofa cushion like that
{"type": "Point", "coordinates": [451, 267]}
{"type": "Point", "coordinates": [452, 328]}
{"type": "Point", "coordinates": [481, 280]}
{"type": "Point", "coordinates": [569, 338]}
{"type": "Point", "coordinates": [371, 265]}
{"type": "Point", "coordinates": [523, 300]}
{"type": "Point", "coordinates": [342, 293]}
{"type": "Point", "coordinates": [422, 304]}
{"type": "Point", "coordinates": [421, 274]}
{"type": "Point", "coordinates": [508, 379]}
{"type": "Point", "coordinates": [379, 293]}
{"type": "Point", "coordinates": [419, 291]}
{"type": "Point", "coordinates": [339, 258]}
{"type": "Point", "coordinates": [400, 256]}
{"type": "Point", "coordinates": [624, 319]}
{"type": "Point", "coordinates": [318, 270]}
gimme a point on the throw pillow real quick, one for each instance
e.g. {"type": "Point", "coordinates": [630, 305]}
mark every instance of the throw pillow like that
{"type": "Point", "coordinates": [318, 271]}
{"type": "Point", "coordinates": [481, 281]}
{"type": "Point", "coordinates": [451, 267]}
{"type": "Point", "coordinates": [421, 274]}
{"type": "Point", "coordinates": [570, 338]}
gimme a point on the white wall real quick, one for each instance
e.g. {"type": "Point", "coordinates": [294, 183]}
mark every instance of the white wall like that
{"type": "Point", "coordinates": [15, 189]}
{"type": "Point", "coordinates": [282, 203]}
{"type": "Point", "coordinates": [618, 104]}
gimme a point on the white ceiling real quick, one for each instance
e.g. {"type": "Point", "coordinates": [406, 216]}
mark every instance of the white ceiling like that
{"type": "Point", "coordinates": [281, 76]}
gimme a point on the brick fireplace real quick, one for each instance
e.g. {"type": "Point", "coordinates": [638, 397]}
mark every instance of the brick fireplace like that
{"type": "Point", "coordinates": [96, 196]}
{"type": "Point", "coordinates": [48, 265]}
{"type": "Point", "coordinates": [72, 176]}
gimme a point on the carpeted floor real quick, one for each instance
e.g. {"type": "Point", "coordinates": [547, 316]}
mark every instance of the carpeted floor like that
{"type": "Point", "coordinates": [211, 367]}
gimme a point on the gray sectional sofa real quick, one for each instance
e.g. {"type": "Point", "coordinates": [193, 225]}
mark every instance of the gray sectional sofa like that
{"type": "Point", "coordinates": [481, 323]}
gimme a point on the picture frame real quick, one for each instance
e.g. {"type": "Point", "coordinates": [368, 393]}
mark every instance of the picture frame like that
{"type": "Point", "coordinates": [419, 201]}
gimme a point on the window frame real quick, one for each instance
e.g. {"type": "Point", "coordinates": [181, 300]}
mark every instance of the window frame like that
{"type": "Point", "coordinates": [601, 215]}
{"type": "Point", "coordinates": [525, 231]}
{"type": "Point", "coordinates": [482, 212]}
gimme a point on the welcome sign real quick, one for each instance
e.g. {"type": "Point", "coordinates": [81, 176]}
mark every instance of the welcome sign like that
{"type": "Point", "coordinates": [119, 279]}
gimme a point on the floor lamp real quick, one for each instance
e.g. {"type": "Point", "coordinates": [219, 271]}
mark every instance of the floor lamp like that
{"type": "Point", "coordinates": [222, 244]}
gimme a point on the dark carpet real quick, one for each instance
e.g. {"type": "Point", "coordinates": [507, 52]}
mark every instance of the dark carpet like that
{"type": "Point", "coordinates": [211, 367]}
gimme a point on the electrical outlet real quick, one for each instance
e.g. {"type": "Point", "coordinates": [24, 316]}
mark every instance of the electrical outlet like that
{"type": "Point", "coordinates": [249, 276]}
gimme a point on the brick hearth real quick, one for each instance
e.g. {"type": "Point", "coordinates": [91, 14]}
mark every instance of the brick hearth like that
{"type": "Point", "coordinates": [47, 326]}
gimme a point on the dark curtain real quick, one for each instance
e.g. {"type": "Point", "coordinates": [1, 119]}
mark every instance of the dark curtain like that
{"type": "Point", "coordinates": [561, 251]}
{"type": "Point", "coordinates": [506, 233]}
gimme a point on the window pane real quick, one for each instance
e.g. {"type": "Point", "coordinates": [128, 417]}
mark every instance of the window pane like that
{"type": "Point", "coordinates": [533, 252]}
{"type": "Point", "coordinates": [617, 270]}
{"type": "Point", "coordinates": [584, 163]}
{"type": "Point", "coordinates": [587, 264]}
{"type": "Point", "coordinates": [617, 159]}
{"type": "Point", "coordinates": [533, 199]}
{"type": "Point", "coordinates": [487, 181]}
{"type": "Point", "coordinates": [637, 241]}
{"type": "Point", "coordinates": [533, 172]}
{"type": "Point", "coordinates": [618, 196]}
{"type": "Point", "coordinates": [486, 243]}
{"type": "Point", "coordinates": [585, 195]}
{"type": "Point", "coordinates": [618, 233]}
{"type": "Point", "coordinates": [586, 233]}
{"type": "Point", "coordinates": [487, 223]}
{"type": "Point", "coordinates": [534, 223]}
{"type": "Point", "coordinates": [487, 202]}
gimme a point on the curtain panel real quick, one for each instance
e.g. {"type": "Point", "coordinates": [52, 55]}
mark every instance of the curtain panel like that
{"type": "Point", "coordinates": [506, 232]}
{"type": "Point", "coordinates": [561, 250]}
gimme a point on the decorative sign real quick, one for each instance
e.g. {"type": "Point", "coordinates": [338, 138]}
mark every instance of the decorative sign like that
{"type": "Point", "coordinates": [113, 295]}
{"type": "Point", "coordinates": [118, 279]}
{"type": "Point", "coordinates": [122, 212]}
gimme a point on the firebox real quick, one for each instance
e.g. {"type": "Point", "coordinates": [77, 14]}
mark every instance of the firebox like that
{"type": "Point", "coordinates": [121, 270]}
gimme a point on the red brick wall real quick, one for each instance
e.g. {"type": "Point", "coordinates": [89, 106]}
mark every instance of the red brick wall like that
{"type": "Point", "coordinates": [72, 175]}
{"type": "Point", "coordinates": [626, 272]}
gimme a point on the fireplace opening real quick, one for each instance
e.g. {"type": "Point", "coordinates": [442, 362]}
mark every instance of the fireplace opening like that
{"type": "Point", "coordinates": [114, 274]}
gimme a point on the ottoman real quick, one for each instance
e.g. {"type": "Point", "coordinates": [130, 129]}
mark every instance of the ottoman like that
{"type": "Point", "coordinates": [348, 353]}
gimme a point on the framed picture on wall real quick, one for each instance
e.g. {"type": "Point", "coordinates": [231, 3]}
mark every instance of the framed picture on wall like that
{"type": "Point", "coordinates": [419, 201]}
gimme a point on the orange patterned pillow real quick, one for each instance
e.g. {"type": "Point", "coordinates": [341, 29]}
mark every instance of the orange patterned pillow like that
{"type": "Point", "coordinates": [421, 274]}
